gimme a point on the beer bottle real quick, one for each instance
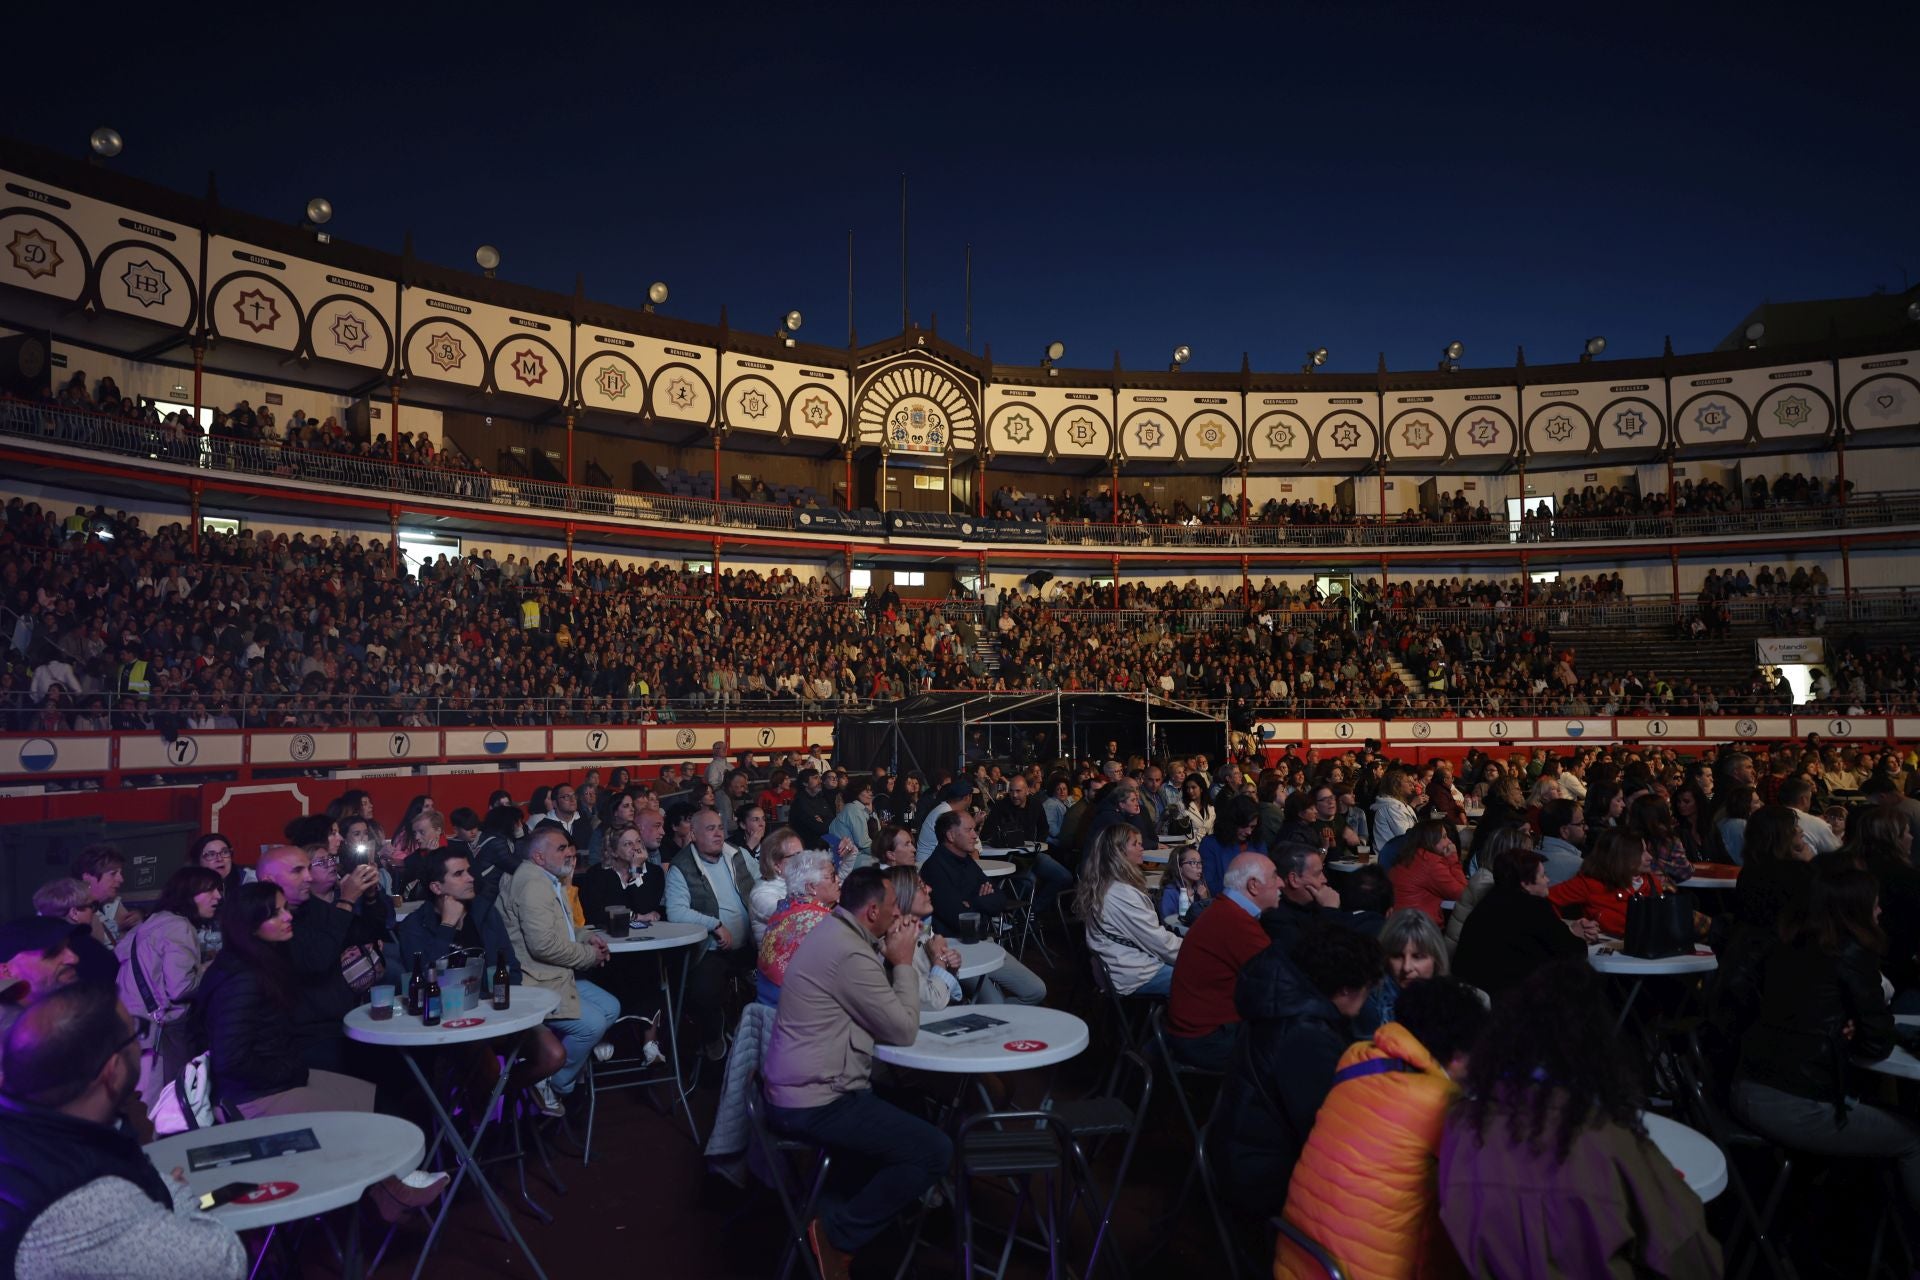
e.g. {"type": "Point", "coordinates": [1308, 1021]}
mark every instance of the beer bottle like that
{"type": "Point", "coordinates": [502, 984]}
{"type": "Point", "coordinates": [430, 1004]}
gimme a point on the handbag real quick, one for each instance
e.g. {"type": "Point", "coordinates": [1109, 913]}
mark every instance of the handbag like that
{"type": "Point", "coordinates": [1659, 926]}
{"type": "Point", "coordinates": [186, 1101]}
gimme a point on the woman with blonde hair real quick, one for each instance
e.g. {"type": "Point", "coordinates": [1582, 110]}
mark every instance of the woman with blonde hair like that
{"type": "Point", "coordinates": [935, 963]}
{"type": "Point", "coordinates": [1414, 951]}
{"type": "Point", "coordinates": [1123, 926]}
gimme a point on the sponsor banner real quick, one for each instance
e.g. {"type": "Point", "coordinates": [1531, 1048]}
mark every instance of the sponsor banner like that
{"type": "Point", "coordinates": [1495, 730]}
{"type": "Point", "coordinates": [461, 743]}
{"type": "Point", "coordinates": [149, 752]}
{"type": "Point", "coordinates": [1280, 731]}
{"type": "Point", "coordinates": [1791, 650]}
{"type": "Point", "coordinates": [933, 523]}
{"type": "Point", "coordinates": [375, 745]}
{"type": "Point", "coordinates": [271, 749]}
{"type": "Point", "coordinates": [1010, 531]}
{"type": "Point", "coordinates": [1343, 731]}
{"type": "Point", "coordinates": [596, 742]}
{"type": "Point", "coordinates": [1655, 729]}
{"type": "Point", "coordinates": [1872, 728]}
{"type": "Point", "coordinates": [771, 737]}
{"type": "Point", "coordinates": [1734, 728]}
{"type": "Point", "coordinates": [55, 755]}
{"type": "Point", "coordinates": [1573, 729]}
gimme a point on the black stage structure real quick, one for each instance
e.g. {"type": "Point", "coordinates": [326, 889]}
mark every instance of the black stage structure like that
{"type": "Point", "coordinates": [933, 731]}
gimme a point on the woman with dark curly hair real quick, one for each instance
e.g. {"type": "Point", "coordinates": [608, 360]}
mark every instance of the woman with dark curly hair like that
{"type": "Point", "coordinates": [1546, 1169]}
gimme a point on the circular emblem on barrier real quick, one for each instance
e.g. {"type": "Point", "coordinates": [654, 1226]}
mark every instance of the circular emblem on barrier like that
{"type": "Point", "coordinates": [766, 737]}
{"type": "Point", "coordinates": [966, 528]}
{"type": "Point", "coordinates": [1575, 728]}
{"type": "Point", "coordinates": [806, 518]}
{"type": "Point", "coordinates": [1421, 729]}
{"type": "Point", "coordinates": [1344, 729]}
{"type": "Point", "coordinates": [1840, 728]}
{"type": "Point", "coordinates": [1656, 728]}
{"type": "Point", "coordinates": [1024, 1046]}
{"type": "Point", "coordinates": [684, 739]}
{"type": "Point", "coordinates": [1746, 728]}
{"type": "Point", "coordinates": [398, 744]}
{"type": "Point", "coordinates": [37, 755]}
{"type": "Point", "coordinates": [597, 740]}
{"type": "Point", "coordinates": [268, 1191]}
{"type": "Point", "coordinates": [495, 742]}
{"type": "Point", "coordinates": [1498, 728]}
{"type": "Point", "coordinates": [183, 751]}
{"type": "Point", "coordinates": [301, 746]}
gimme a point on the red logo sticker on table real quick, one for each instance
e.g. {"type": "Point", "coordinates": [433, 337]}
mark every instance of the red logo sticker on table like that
{"type": "Point", "coordinates": [268, 1191]}
{"type": "Point", "coordinates": [1024, 1046]}
{"type": "Point", "coordinates": [460, 1023]}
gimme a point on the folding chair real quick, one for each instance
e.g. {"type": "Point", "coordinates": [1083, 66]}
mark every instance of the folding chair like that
{"type": "Point", "coordinates": [778, 1152]}
{"type": "Point", "coordinates": [1299, 1240]}
{"type": "Point", "coordinates": [1016, 1146]}
{"type": "Point", "coordinates": [1092, 1121]}
{"type": "Point", "coordinates": [1127, 1013]}
{"type": "Point", "coordinates": [1178, 1073]}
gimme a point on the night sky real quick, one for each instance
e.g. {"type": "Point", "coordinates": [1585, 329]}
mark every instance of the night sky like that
{"type": "Point", "coordinates": [1373, 179]}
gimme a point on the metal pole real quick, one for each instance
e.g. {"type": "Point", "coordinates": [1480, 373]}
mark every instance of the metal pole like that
{"type": "Point", "coordinates": [905, 314]}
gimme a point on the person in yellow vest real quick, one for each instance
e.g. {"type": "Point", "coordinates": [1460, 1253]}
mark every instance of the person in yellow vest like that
{"type": "Point", "coordinates": [530, 614]}
{"type": "Point", "coordinates": [135, 677]}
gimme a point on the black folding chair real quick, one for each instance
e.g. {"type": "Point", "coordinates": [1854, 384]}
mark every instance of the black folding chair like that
{"type": "Point", "coordinates": [799, 1195]}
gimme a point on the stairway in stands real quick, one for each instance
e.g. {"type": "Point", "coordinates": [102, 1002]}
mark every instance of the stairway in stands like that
{"type": "Point", "coordinates": [1406, 676]}
{"type": "Point", "coordinates": [986, 647]}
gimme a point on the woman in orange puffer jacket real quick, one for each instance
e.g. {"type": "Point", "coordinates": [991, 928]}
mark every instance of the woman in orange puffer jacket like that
{"type": "Point", "coordinates": [1364, 1188]}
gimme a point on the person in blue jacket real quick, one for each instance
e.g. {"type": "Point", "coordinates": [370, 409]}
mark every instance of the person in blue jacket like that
{"type": "Point", "coordinates": [454, 916]}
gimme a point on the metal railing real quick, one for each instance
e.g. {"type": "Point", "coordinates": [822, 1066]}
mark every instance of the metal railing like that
{"type": "Point", "coordinates": [135, 440]}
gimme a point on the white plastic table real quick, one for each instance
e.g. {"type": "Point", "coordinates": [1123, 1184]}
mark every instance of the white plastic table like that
{"type": "Point", "coordinates": [1900, 1062]}
{"type": "Point", "coordinates": [531, 1006]}
{"type": "Point", "coordinates": [1345, 866]}
{"type": "Point", "coordinates": [978, 959]}
{"type": "Point", "coordinates": [662, 935]}
{"type": "Point", "coordinates": [357, 1149]}
{"type": "Point", "coordinates": [1692, 1154]}
{"type": "Point", "coordinates": [1639, 970]}
{"type": "Point", "coordinates": [994, 868]}
{"type": "Point", "coordinates": [1710, 883]}
{"type": "Point", "coordinates": [1030, 1036]}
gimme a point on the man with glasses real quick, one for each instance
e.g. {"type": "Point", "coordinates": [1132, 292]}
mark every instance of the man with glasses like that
{"type": "Point", "coordinates": [69, 902]}
{"type": "Point", "coordinates": [1563, 831]}
{"type": "Point", "coordinates": [565, 810]}
{"type": "Point", "coordinates": [78, 1197]}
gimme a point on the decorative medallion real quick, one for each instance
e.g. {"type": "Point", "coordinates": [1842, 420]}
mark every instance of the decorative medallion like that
{"type": "Point", "coordinates": [817, 412]}
{"type": "Point", "coordinates": [1082, 431]}
{"type": "Point", "coordinates": [257, 310]}
{"type": "Point", "coordinates": [1212, 435]}
{"type": "Point", "coordinates": [1559, 428]}
{"type": "Point", "coordinates": [1889, 401]}
{"type": "Point", "coordinates": [1019, 428]}
{"type": "Point", "coordinates": [1280, 435]}
{"type": "Point", "coordinates": [753, 403]}
{"type": "Point", "coordinates": [34, 254]}
{"type": "Point", "coordinates": [1483, 432]}
{"type": "Point", "coordinates": [146, 284]}
{"type": "Point", "coordinates": [916, 406]}
{"type": "Point", "coordinates": [680, 393]}
{"type": "Point", "coordinates": [446, 351]}
{"type": "Point", "coordinates": [1629, 423]}
{"type": "Point", "coordinates": [612, 381]}
{"type": "Point", "coordinates": [1713, 417]}
{"type": "Point", "coordinates": [1148, 434]}
{"type": "Point", "coordinates": [351, 331]}
{"type": "Point", "coordinates": [1418, 434]}
{"type": "Point", "coordinates": [1346, 436]}
{"type": "Point", "coordinates": [1792, 411]}
{"type": "Point", "coordinates": [529, 366]}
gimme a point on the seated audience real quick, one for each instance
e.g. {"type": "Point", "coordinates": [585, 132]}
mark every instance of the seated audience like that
{"type": "Point", "coordinates": [1776, 871]}
{"type": "Point", "coordinates": [770, 890]}
{"type": "Point", "coordinates": [1413, 951]}
{"type": "Point", "coordinates": [1203, 1022]}
{"type": "Point", "coordinates": [1298, 1008]}
{"type": "Point", "coordinates": [936, 963]}
{"type": "Point", "coordinates": [1822, 1011]}
{"type": "Point", "coordinates": [551, 953]}
{"type": "Point", "coordinates": [1305, 895]}
{"type": "Point", "coordinates": [1364, 1184]}
{"type": "Point", "coordinates": [1123, 929]}
{"type": "Point", "coordinates": [812, 892]}
{"type": "Point", "coordinates": [1563, 832]}
{"type": "Point", "coordinates": [1514, 929]}
{"type": "Point", "coordinates": [78, 1197]}
{"type": "Point", "coordinates": [957, 884]}
{"type": "Point", "coordinates": [1428, 871]}
{"type": "Point", "coordinates": [1184, 893]}
{"type": "Point", "coordinates": [36, 956]}
{"type": "Point", "coordinates": [103, 869]}
{"type": "Point", "coordinates": [335, 950]}
{"type": "Point", "coordinates": [838, 1002]}
{"type": "Point", "coordinates": [70, 902]}
{"type": "Point", "coordinates": [162, 960]}
{"type": "Point", "coordinates": [1233, 836]}
{"type": "Point", "coordinates": [1618, 868]}
{"type": "Point", "coordinates": [1545, 1165]}
{"type": "Point", "coordinates": [711, 886]}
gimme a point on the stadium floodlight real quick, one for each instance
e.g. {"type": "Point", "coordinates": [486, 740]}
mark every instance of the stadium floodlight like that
{"type": "Point", "coordinates": [788, 323]}
{"type": "Point", "coordinates": [1595, 345]}
{"type": "Point", "coordinates": [319, 210]}
{"type": "Point", "coordinates": [488, 257]}
{"type": "Point", "coordinates": [656, 296]}
{"type": "Point", "coordinates": [1181, 354]}
{"type": "Point", "coordinates": [1450, 356]}
{"type": "Point", "coordinates": [1315, 358]}
{"type": "Point", "coordinates": [1755, 332]}
{"type": "Point", "coordinates": [106, 142]}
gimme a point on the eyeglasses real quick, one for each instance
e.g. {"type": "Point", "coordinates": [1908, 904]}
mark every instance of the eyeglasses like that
{"type": "Point", "coordinates": [325, 860]}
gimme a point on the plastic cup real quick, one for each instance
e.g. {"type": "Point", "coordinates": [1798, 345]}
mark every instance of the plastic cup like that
{"type": "Point", "coordinates": [381, 999]}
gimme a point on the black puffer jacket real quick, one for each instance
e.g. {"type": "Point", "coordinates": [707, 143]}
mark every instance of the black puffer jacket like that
{"type": "Point", "coordinates": [248, 1033]}
{"type": "Point", "coordinates": [1281, 1071]}
{"type": "Point", "coordinates": [1807, 995]}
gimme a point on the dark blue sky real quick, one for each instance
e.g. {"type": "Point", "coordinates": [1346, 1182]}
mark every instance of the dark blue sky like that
{"type": "Point", "coordinates": [1374, 179]}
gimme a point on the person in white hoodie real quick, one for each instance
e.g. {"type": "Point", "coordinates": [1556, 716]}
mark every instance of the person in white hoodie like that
{"type": "Point", "coordinates": [1123, 927]}
{"type": "Point", "coordinates": [1392, 814]}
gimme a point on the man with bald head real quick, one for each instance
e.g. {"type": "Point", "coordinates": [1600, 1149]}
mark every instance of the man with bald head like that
{"type": "Point", "coordinates": [335, 952]}
{"type": "Point", "coordinates": [1202, 1022]}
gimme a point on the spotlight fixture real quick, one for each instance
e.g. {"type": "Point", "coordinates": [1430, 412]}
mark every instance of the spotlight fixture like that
{"type": "Point", "coordinates": [488, 257]}
{"type": "Point", "coordinates": [788, 323]}
{"type": "Point", "coordinates": [1450, 356]}
{"type": "Point", "coordinates": [1913, 311]}
{"type": "Point", "coordinates": [106, 142]}
{"type": "Point", "coordinates": [1181, 354]}
{"type": "Point", "coordinates": [1315, 358]}
{"type": "Point", "coordinates": [1595, 345]}
{"type": "Point", "coordinates": [1055, 350]}
{"type": "Point", "coordinates": [656, 296]}
{"type": "Point", "coordinates": [319, 210]}
{"type": "Point", "coordinates": [1755, 332]}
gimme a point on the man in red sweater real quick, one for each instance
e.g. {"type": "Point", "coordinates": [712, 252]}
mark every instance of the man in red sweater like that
{"type": "Point", "coordinates": [1202, 1021]}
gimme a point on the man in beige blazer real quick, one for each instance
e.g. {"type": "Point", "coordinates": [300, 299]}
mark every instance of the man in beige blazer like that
{"type": "Point", "coordinates": [533, 902]}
